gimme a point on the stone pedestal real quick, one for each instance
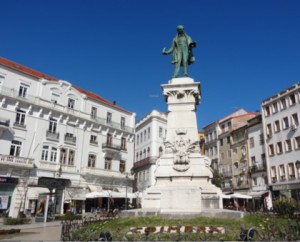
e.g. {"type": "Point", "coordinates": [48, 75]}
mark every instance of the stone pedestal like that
{"type": "Point", "coordinates": [183, 174]}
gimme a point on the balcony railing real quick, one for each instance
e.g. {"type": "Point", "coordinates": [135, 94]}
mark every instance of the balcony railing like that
{"type": "Point", "coordinates": [16, 160]}
{"type": "Point", "coordinates": [52, 136]}
{"type": "Point", "coordinates": [258, 168]}
{"type": "Point", "coordinates": [101, 172]}
{"type": "Point", "coordinates": [20, 125]}
{"type": "Point", "coordinates": [113, 146]}
{"type": "Point", "coordinates": [70, 139]}
{"type": "Point", "coordinates": [145, 161]}
{"type": "Point", "coordinates": [10, 92]}
{"type": "Point", "coordinates": [4, 122]}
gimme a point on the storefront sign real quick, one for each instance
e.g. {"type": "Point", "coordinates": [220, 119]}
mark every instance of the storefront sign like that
{"type": "Point", "coordinates": [8, 180]}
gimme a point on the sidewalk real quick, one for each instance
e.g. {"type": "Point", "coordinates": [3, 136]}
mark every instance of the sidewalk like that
{"type": "Point", "coordinates": [49, 231]}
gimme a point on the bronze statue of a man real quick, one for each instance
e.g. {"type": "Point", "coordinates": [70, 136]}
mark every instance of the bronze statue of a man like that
{"type": "Point", "coordinates": [181, 47]}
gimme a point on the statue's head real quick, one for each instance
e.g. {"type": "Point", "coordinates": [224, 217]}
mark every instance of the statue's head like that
{"type": "Point", "coordinates": [180, 27]}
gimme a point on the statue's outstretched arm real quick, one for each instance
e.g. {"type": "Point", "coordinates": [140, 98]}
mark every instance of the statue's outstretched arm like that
{"type": "Point", "coordinates": [166, 52]}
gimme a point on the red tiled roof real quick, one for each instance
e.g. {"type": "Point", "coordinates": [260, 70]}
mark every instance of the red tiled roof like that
{"type": "Point", "coordinates": [26, 70]}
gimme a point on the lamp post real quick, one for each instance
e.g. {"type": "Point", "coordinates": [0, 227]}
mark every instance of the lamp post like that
{"type": "Point", "coordinates": [297, 163]}
{"type": "Point", "coordinates": [126, 191]}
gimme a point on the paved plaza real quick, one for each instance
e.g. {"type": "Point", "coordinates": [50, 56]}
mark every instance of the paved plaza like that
{"type": "Point", "coordinates": [49, 231]}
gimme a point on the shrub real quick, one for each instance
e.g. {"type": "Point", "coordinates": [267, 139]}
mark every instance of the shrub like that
{"type": "Point", "coordinates": [16, 221]}
{"type": "Point", "coordinates": [68, 216]}
{"type": "Point", "coordinates": [285, 206]}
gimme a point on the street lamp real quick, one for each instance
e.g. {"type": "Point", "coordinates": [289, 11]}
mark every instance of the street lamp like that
{"type": "Point", "coordinates": [126, 191]}
{"type": "Point", "coordinates": [297, 163]}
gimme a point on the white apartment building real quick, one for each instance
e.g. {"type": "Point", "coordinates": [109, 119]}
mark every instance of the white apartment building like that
{"type": "Point", "coordinates": [257, 165]}
{"type": "Point", "coordinates": [280, 115]}
{"type": "Point", "coordinates": [150, 134]}
{"type": "Point", "coordinates": [60, 139]}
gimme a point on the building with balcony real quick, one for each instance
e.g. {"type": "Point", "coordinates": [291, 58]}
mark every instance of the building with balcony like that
{"type": "Point", "coordinates": [150, 135]}
{"type": "Point", "coordinates": [280, 116]}
{"type": "Point", "coordinates": [60, 139]}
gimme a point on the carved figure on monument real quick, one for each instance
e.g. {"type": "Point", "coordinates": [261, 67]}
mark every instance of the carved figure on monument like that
{"type": "Point", "coordinates": [181, 48]}
{"type": "Point", "coordinates": [181, 149]}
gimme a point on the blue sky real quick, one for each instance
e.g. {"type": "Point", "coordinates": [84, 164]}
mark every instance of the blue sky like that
{"type": "Point", "coordinates": [247, 50]}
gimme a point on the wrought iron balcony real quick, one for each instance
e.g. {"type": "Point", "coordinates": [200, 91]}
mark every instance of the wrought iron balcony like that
{"type": "Point", "coordinates": [70, 139]}
{"type": "Point", "coordinates": [52, 135]}
{"type": "Point", "coordinates": [258, 168]}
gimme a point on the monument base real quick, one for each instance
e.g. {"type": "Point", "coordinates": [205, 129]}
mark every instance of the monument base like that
{"type": "Point", "coordinates": [175, 214]}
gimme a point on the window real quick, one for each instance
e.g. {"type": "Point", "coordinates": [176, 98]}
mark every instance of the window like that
{"type": "Point", "coordinates": [297, 142]}
{"type": "Point", "coordinates": [267, 111]}
{"type": "Point", "coordinates": [137, 156]}
{"type": "Point", "coordinates": [148, 152]}
{"type": "Point", "coordinates": [93, 112]}
{"type": "Point", "coordinates": [292, 99]}
{"type": "Point", "coordinates": [137, 139]}
{"type": "Point", "coordinates": [123, 143]}
{"type": "Point", "coordinates": [273, 174]}
{"type": "Point", "coordinates": [295, 120]}
{"type": "Point", "coordinates": [228, 139]}
{"type": "Point", "coordinates": [23, 90]}
{"type": "Point", "coordinates": [52, 125]}
{"type": "Point", "coordinates": [20, 118]}
{"type": "Point", "coordinates": [269, 130]}
{"type": "Point", "coordinates": [108, 118]}
{"type": "Point", "coordinates": [53, 154]}
{"type": "Point", "coordinates": [63, 156]}
{"type": "Point", "coordinates": [160, 133]}
{"type": "Point", "coordinates": [149, 132]}
{"type": "Point", "coordinates": [271, 150]}
{"type": "Point", "coordinates": [275, 107]}
{"type": "Point", "coordinates": [54, 98]}
{"type": "Point", "coordinates": [291, 171]}
{"type": "Point", "coordinates": [283, 103]}
{"type": "Point", "coordinates": [45, 153]}
{"type": "Point", "coordinates": [288, 145]}
{"type": "Point", "coordinates": [263, 158]}
{"type": "Point", "coordinates": [261, 139]}
{"type": "Point", "coordinates": [107, 164]}
{"type": "Point", "coordinates": [251, 142]}
{"type": "Point", "coordinates": [122, 166]}
{"type": "Point", "coordinates": [1, 80]}
{"type": "Point", "coordinates": [285, 123]}
{"type": "Point", "coordinates": [71, 103]}
{"type": "Point", "coordinates": [276, 126]}
{"type": "Point", "coordinates": [221, 142]}
{"type": "Point", "coordinates": [123, 123]}
{"type": "Point", "coordinates": [15, 148]}
{"type": "Point", "coordinates": [91, 160]}
{"type": "Point", "coordinates": [141, 137]}
{"type": "Point", "coordinates": [279, 148]}
{"type": "Point", "coordinates": [71, 157]}
{"type": "Point", "coordinates": [109, 139]}
{"type": "Point", "coordinates": [282, 172]}
{"type": "Point", "coordinates": [93, 139]}
{"type": "Point", "coordinates": [253, 161]}
{"type": "Point", "coordinates": [144, 154]}
{"type": "Point", "coordinates": [254, 181]}
{"type": "Point", "coordinates": [160, 151]}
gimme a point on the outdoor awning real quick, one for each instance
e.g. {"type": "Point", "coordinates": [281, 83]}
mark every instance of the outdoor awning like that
{"type": "Point", "coordinates": [72, 193]}
{"type": "Point", "coordinates": [33, 192]}
{"type": "Point", "coordinates": [241, 196]}
{"type": "Point", "coordinates": [97, 194]}
{"type": "Point", "coordinates": [111, 194]}
{"type": "Point", "coordinates": [226, 196]}
{"type": "Point", "coordinates": [257, 194]}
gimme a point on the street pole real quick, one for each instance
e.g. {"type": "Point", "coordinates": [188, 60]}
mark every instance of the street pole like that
{"type": "Point", "coordinates": [126, 192]}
